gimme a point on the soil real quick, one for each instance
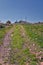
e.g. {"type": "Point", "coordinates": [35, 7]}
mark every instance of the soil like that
{"type": "Point", "coordinates": [5, 49]}
{"type": "Point", "coordinates": [41, 63]}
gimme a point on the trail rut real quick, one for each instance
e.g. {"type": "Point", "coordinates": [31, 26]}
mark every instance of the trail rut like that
{"type": "Point", "coordinates": [5, 49]}
{"type": "Point", "coordinates": [33, 47]}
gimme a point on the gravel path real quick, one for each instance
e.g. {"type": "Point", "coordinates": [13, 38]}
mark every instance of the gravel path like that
{"type": "Point", "coordinates": [5, 49]}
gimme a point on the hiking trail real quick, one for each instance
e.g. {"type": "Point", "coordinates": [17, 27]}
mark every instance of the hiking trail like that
{"type": "Point", "coordinates": [5, 48]}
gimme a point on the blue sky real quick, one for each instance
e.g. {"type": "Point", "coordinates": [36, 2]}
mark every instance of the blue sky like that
{"type": "Point", "coordinates": [30, 10]}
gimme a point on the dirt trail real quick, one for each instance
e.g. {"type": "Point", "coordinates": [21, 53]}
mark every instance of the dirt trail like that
{"type": "Point", "coordinates": [5, 49]}
{"type": "Point", "coordinates": [32, 47]}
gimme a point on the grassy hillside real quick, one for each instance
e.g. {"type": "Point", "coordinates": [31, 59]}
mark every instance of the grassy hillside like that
{"type": "Point", "coordinates": [22, 36]}
{"type": "Point", "coordinates": [35, 33]}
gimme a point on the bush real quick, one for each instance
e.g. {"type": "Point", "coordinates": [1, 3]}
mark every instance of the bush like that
{"type": "Point", "coordinates": [2, 26]}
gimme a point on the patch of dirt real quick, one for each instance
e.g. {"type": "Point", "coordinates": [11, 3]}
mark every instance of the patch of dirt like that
{"type": "Point", "coordinates": [41, 63]}
{"type": "Point", "coordinates": [5, 49]}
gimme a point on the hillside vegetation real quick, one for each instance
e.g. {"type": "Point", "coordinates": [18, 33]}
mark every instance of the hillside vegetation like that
{"type": "Point", "coordinates": [20, 54]}
{"type": "Point", "coordinates": [35, 33]}
{"type": "Point", "coordinates": [26, 42]}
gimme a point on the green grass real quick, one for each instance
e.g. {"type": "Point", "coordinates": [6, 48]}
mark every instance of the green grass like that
{"type": "Point", "coordinates": [33, 63]}
{"type": "Point", "coordinates": [18, 54]}
{"type": "Point", "coordinates": [35, 33]}
{"type": "Point", "coordinates": [2, 32]}
{"type": "Point", "coordinates": [17, 41]}
{"type": "Point", "coordinates": [16, 45]}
